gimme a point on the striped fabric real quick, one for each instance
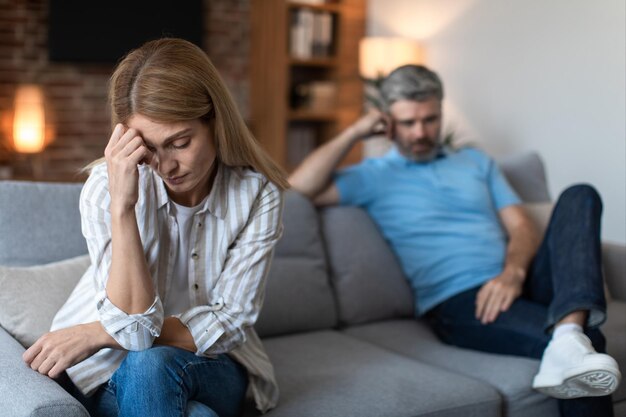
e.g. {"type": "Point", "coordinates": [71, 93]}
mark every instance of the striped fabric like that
{"type": "Point", "coordinates": [232, 240]}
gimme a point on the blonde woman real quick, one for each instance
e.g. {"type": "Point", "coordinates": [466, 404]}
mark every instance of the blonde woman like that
{"type": "Point", "coordinates": [180, 218]}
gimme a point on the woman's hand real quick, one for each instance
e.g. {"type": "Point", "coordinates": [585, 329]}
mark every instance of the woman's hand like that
{"type": "Point", "coordinates": [56, 351]}
{"type": "Point", "coordinates": [125, 150]}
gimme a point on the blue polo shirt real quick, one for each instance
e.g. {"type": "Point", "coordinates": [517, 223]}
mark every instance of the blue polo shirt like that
{"type": "Point", "coordinates": [440, 217]}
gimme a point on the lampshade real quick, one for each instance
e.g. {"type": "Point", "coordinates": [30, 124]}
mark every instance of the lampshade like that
{"type": "Point", "coordinates": [29, 119]}
{"type": "Point", "coordinates": [380, 55]}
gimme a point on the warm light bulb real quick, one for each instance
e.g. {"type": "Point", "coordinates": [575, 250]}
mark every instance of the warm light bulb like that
{"type": "Point", "coordinates": [378, 56]}
{"type": "Point", "coordinates": [29, 120]}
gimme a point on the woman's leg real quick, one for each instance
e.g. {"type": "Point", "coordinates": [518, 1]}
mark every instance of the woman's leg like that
{"type": "Point", "coordinates": [162, 380]}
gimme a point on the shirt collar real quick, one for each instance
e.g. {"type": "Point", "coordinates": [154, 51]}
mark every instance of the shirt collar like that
{"type": "Point", "coordinates": [217, 201]}
{"type": "Point", "coordinates": [394, 155]}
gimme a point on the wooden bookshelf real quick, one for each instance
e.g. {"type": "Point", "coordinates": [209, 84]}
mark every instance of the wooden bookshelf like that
{"type": "Point", "coordinates": [277, 77]}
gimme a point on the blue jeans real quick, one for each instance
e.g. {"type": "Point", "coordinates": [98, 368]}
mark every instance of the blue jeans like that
{"type": "Point", "coordinates": [565, 276]}
{"type": "Point", "coordinates": [167, 381]}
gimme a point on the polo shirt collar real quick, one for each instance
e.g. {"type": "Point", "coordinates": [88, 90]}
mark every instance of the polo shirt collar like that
{"type": "Point", "coordinates": [394, 155]}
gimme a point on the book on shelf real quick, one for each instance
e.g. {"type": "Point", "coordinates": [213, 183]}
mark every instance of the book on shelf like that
{"type": "Point", "coordinates": [317, 95]}
{"type": "Point", "coordinates": [311, 34]}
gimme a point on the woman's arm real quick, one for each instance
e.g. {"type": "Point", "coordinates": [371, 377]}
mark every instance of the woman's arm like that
{"type": "Point", "coordinates": [175, 333]}
{"type": "Point", "coordinates": [129, 286]}
{"type": "Point", "coordinates": [126, 300]}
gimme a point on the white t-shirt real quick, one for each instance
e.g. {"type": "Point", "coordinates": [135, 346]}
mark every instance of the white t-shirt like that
{"type": "Point", "coordinates": [178, 294]}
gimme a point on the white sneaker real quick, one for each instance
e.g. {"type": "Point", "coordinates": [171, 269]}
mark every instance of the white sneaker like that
{"type": "Point", "coordinates": [571, 368]}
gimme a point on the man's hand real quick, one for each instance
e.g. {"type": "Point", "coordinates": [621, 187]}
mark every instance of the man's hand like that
{"type": "Point", "coordinates": [374, 122]}
{"type": "Point", "coordinates": [56, 351]}
{"type": "Point", "coordinates": [498, 294]}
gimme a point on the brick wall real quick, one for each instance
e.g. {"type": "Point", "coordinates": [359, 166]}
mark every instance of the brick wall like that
{"type": "Point", "coordinates": [77, 117]}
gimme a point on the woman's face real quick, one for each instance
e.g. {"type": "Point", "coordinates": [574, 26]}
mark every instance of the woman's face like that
{"type": "Point", "coordinates": [183, 154]}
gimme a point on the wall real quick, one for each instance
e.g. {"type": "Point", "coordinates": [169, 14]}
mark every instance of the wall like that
{"type": "Point", "coordinates": [77, 118]}
{"type": "Point", "coordinates": [531, 75]}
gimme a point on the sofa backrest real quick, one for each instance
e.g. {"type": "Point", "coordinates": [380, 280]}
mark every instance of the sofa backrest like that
{"type": "Point", "coordinates": [298, 295]}
{"type": "Point", "coordinates": [368, 280]}
{"type": "Point", "coordinates": [39, 222]}
{"type": "Point", "coordinates": [525, 172]}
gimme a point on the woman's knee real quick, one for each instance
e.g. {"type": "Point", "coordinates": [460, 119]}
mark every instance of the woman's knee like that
{"type": "Point", "coordinates": [151, 364]}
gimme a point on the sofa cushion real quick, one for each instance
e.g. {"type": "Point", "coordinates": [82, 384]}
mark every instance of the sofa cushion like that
{"type": "Point", "coordinates": [31, 296]}
{"type": "Point", "coordinates": [613, 330]}
{"type": "Point", "coordinates": [51, 230]}
{"type": "Point", "coordinates": [298, 295]}
{"type": "Point", "coordinates": [28, 393]}
{"type": "Point", "coordinates": [526, 174]}
{"type": "Point", "coordinates": [329, 374]}
{"type": "Point", "coordinates": [368, 280]}
{"type": "Point", "coordinates": [510, 375]}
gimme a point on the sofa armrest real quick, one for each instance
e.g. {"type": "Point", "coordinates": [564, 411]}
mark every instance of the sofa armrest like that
{"type": "Point", "coordinates": [27, 393]}
{"type": "Point", "coordinates": [614, 263]}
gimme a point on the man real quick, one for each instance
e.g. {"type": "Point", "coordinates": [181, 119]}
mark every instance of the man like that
{"type": "Point", "coordinates": [478, 271]}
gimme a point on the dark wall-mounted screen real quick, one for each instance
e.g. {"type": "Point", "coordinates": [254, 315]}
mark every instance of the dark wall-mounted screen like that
{"type": "Point", "coordinates": [104, 31]}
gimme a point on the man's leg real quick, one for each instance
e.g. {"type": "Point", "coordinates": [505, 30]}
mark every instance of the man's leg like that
{"type": "Point", "coordinates": [520, 331]}
{"type": "Point", "coordinates": [162, 380]}
{"type": "Point", "coordinates": [564, 286]}
{"type": "Point", "coordinates": [566, 276]}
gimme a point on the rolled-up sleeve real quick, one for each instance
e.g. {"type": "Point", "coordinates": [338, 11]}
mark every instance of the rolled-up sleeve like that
{"type": "Point", "coordinates": [131, 331]}
{"type": "Point", "coordinates": [238, 294]}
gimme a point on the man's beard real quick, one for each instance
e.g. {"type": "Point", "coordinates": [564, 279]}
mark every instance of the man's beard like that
{"type": "Point", "coordinates": [423, 157]}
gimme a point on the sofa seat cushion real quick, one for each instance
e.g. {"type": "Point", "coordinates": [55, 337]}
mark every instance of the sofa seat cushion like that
{"type": "Point", "coordinates": [326, 373]}
{"type": "Point", "coordinates": [613, 330]}
{"type": "Point", "coordinates": [510, 375]}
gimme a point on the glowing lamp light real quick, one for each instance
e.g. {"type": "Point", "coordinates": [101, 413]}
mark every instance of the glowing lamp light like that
{"type": "Point", "coordinates": [29, 120]}
{"type": "Point", "coordinates": [378, 56]}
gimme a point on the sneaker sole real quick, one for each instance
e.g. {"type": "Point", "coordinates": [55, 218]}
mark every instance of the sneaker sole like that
{"type": "Point", "coordinates": [588, 384]}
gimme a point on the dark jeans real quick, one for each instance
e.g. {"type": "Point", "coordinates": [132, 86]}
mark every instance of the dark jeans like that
{"type": "Point", "coordinates": [167, 381]}
{"type": "Point", "coordinates": [565, 276]}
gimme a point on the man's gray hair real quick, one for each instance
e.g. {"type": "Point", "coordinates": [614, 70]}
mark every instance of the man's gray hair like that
{"type": "Point", "coordinates": [411, 82]}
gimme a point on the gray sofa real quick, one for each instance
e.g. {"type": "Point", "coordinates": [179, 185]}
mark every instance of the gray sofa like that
{"type": "Point", "coordinates": [337, 321]}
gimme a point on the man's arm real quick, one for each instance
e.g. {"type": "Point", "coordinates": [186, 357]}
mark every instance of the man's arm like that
{"type": "Point", "coordinates": [313, 177]}
{"type": "Point", "coordinates": [498, 294]}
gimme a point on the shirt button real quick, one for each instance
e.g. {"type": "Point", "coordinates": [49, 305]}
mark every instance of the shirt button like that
{"type": "Point", "coordinates": [195, 286]}
{"type": "Point", "coordinates": [194, 256]}
{"type": "Point", "coordinates": [200, 224]}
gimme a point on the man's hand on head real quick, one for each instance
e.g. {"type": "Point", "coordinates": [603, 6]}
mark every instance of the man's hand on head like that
{"type": "Point", "coordinates": [374, 122]}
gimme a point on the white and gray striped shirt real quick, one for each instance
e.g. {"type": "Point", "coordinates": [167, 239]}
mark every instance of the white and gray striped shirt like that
{"type": "Point", "coordinates": [232, 240]}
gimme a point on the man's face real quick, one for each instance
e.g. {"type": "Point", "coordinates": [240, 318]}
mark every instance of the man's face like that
{"type": "Point", "coordinates": [417, 127]}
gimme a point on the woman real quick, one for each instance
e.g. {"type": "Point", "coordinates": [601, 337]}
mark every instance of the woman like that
{"type": "Point", "coordinates": [180, 223]}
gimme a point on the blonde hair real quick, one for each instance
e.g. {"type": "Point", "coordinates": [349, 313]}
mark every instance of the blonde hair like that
{"type": "Point", "coordinates": [172, 80]}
